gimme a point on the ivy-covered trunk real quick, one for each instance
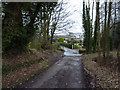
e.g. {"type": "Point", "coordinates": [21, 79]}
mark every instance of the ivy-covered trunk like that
{"type": "Point", "coordinates": [12, 26]}
{"type": "Point", "coordinates": [108, 29]}
{"type": "Point", "coordinates": [104, 32]}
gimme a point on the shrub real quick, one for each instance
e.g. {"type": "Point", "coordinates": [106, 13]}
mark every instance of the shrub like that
{"type": "Point", "coordinates": [55, 46]}
{"type": "Point", "coordinates": [6, 68]}
{"type": "Point", "coordinates": [68, 45]}
{"type": "Point", "coordinates": [76, 47]}
{"type": "Point", "coordinates": [33, 45]}
{"type": "Point", "coordinates": [61, 39]}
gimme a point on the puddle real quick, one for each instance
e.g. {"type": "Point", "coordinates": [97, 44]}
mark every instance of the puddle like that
{"type": "Point", "coordinates": [71, 52]}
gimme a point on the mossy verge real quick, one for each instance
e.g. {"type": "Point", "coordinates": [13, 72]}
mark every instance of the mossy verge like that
{"type": "Point", "coordinates": [25, 76]}
{"type": "Point", "coordinates": [102, 76]}
{"type": "Point", "coordinates": [6, 68]}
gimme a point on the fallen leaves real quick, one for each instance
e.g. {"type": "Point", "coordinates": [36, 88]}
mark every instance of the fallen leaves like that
{"type": "Point", "coordinates": [103, 76]}
{"type": "Point", "coordinates": [22, 74]}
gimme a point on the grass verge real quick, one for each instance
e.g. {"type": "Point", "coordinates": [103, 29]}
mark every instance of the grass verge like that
{"type": "Point", "coordinates": [102, 76]}
{"type": "Point", "coordinates": [20, 68]}
{"type": "Point", "coordinates": [6, 68]}
{"type": "Point", "coordinates": [18, 76]}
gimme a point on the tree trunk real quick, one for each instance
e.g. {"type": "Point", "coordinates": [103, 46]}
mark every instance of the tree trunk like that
{"type": "Point", "coordinates": [104, 32]}
{"type": "Point", "coordinates": [118, 52]}
{"type": "Point", "coordinates": [108, 29]}
{"type": "Point", "coordinates": [98, 24]}
{"type": "Point", "coordinates": [114, 30]}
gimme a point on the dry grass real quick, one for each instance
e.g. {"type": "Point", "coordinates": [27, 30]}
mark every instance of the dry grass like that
{"type": "Point", "coordinates": [40, 60]}
{"type": "Point", "coordinates": [19, 76]}
{"type": "Point", "coordinates": [102, 75]}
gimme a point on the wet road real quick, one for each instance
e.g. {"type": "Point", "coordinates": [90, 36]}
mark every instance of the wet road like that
{"type": "Point", "coordinates": [66, 73]}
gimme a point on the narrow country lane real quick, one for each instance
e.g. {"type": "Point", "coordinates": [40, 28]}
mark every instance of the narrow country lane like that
{"type": "Point", "coordinates": [66, 73]}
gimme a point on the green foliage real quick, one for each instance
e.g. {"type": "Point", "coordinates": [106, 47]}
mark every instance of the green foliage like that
{"type": "Point", "coordinates": [69, 41]}
{"type": "Point", "coordinates": [87, 28]}
{"type": "Point", "coordinates": [14, 34]}
{"type": "Point", "coordinates": [10, 68]}
{"type": "Point", "coordinates": [61, 39]}
{"type": "Point", "coordinates": [19, 26]}
{"type": "Point", "coordinates": [34, 45]}
{"type": "Point", "coordinates": [55, 46]}
{"type": "Point", "coordinates": [68, 45]}
{"type": "Point", "coordinates": [75, 47]}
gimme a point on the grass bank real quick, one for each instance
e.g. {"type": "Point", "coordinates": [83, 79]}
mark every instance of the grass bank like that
{"type": "Point", "coordinates": [103, 75]}
{"type": "Point", "coordinates": [19, 68]}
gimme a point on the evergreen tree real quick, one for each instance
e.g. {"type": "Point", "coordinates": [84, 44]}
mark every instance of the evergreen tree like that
{"type": "Point", "coordinates": [87, 28]}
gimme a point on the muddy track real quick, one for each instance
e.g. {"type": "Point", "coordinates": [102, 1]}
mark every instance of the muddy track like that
{"type": "Point", "coordinates": [65, 73]}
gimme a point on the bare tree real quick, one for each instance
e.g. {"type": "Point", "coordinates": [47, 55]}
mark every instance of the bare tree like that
{"type": "Point", "coordinates": [59, 19]}
{"type": "Point", "coordinates": [108, 29]}
{"type": "Point", "coordinates": [98, 27]}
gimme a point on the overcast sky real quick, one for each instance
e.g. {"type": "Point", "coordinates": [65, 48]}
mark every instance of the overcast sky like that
{"type": "Point", "coordinates": [75, 7]}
